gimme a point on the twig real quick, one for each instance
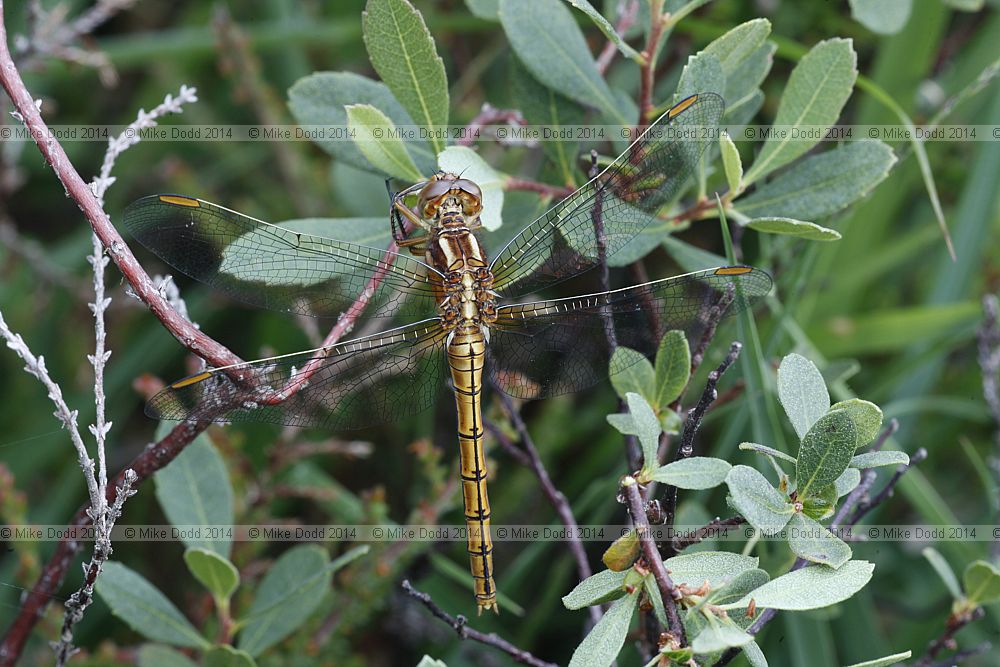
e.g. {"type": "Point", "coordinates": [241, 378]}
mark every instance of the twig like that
{"type": "Point", "coordinates": [705, 532]}
{"type": "Point", "coordinates": [713, 317]}
{"type": "Point", "coordinates": [633, 499]}
{"type": "Point", "coordinates": [459, 625]}
{"type": "Point", "coordinates": [959, 657]}
{"type": "Point", "coordinates": [628, 10]}
{"type": "Point", "coordinates": [647, 72]}
{"type": "Point", "coordinates": [490, 115]}
{"type": "Point", "coordinates": [988, 338]}
{"type": "Point", "coordinates": [544, 189]}
{"type": "Point", "coordinates": [947, 639]}
{"type": "Point", "coordinates": [555, 496]}
{"type": "Point", "coordinates": [868, 504]}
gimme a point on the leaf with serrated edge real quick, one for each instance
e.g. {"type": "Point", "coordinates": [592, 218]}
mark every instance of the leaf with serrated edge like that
{"type": "Point", "coordinates": [463, 160]}
{"type": "Point", "coordinates": [602, 644]}
{"type": "Point", "coordinates": [811, 540]}
{"type": "Point", "coordinates": [764, 507]}
{"type": "Point", "coordinates": [800, 229]}
{"type": "Point", "coordinates": [402, 51]}
{"type": "Point", "coordinates": [825, 453]}
{"type": "Point", "coordinates": [816, 92]}
{"type": "Point", "coordinates": [943, 570]}
{"type": "Point", "coordinates": [811, 587]}
{"type": "Point", "coordinates": [981, 581]}
{"type": "Point", "coordinates": [673, 367]}
{"type": "Point", "coordinates": [696, 472]}
{"type": "Point", "coordinates": [636, 374]}
{"type": "Point", "coordinates": [598, 588]}
{"type": "Point", "coordinates": [374, 136]}
{"type": "Point", "coordinates": [879, 459]}
{"type": "Point", "coordinates": [867, 418]}
{"type": "Point", "coordinates": [802, 392]}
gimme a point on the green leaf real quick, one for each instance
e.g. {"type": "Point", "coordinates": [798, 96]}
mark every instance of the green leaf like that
{"type": "Point", "coordinates": [802, 392]}
{"type": "Point", "coordinates": [816, 92]}
{"type": "Point", "coordinates": [605, 586]}
{"type": "Point", "coordinates": [428, 661]}
{"type": "Point", "coordinates": [867, 418]}
{"type": "Point", "coordinates": [643, 424]}
{"type": "Point", "coordinates": [745, 60]}
{"type": "Point", "coordinates": [887, 661]}
{"type": "Point", "coordinates": [764, 507]}
{"type": "Point", "coordinates": [739, 586]}
{"type": "Point", "coordinates": [155, 655]}
{"type": "Point", "coordinates": [375, 136]}
{"type": "Point", "coordinates": [606, 27]}
{"type": "Point", "coordinates": [981, 581]}
{"type": "Point", "coordinates": [822, 184]}
{"type": "Point", "coordinates": [652, 590]}
{"type": "Point", "coordinates": [965, 5]}
{"type": "Point", "coordinates": [801, 229]}
{"type": "Point", "coordinates": [194, 490]}
{"type": "Point", "coordinates": [764, 449]}
{"type": "Point", "coordinates": [847, 482]}
{"type": "Point", "coordinates": [944, 571]}
{"type": "Point", "coordinates": [144, 608]}
{"type": "Point", "coordinates": [601, 645]}
{"type": "Point", "coordinates": [696, 472]}
{"type": "Point", "coordinates": [731, 162]}
{"type": "Point", "coordinates": [484, 9]}
{"type": "Point", "coordinates": [465, 161]}
{"type": "Point", "coordinates": [812, 587]}
{"type": "Point", "coordinates": [214, 572]}
{"type": "Point", "coordinates": [825, 453]}
{"type": "Point", "coordinates": [319, 99]}
{"type": "Point", "coordinates": [372, 232]}
{"type": "Point", "coordinates": [227, 656]}
{"type": "Point", "coordinates": [549, 43]}
{"type": "Point", "coordinates": [673, 368]}
{"type": "Point", "coordinates": [886, 17]}
{"type": "Point", "coordinates": [811, 540]}
{"type": "Point", "coordinates": [635, 374]}
{"type": "Point", "coordinates": [622, 552]}
{"type": "Point", "coordinates": [754, 655]}
{"type": "Point", "coordinates": [291, 590]}
{"type": "Point", "coordinates": [821, 504]}
{"type": "Point", "coordinates": [879, 459]}
{"type": "Point", "coordinates": [719, 635]}
{"type": "Point", "coordinates": [542, 105]}
{"type": "Point", "coordinates": [715, 567]}
{"type": "Point", "coordinates": [402, 51]}
{"type": "Point", "coordinates": [703, 72]}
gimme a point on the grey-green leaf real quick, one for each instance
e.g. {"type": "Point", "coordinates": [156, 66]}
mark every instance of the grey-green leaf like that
{"type": "Point", "coordinates": [811, 587]}
{"type": "Point", "coordinates": [867, 418]}
{"type": "Point", "coordinates": [801, 229]}
{"type": "Point", "coordinates": [673, 368]}
{"type": "Point", "coordinates": [636, 374]}
{"type": "Point", "coordinates": [598, 588]}
{"type": "Point", "coordinates": [319, 99]}
{"type": "Point", "coordinates": [428, 661]}
{"type": "Point", "coordinates": [601, 645]}
{"type": "Point", "coordinates": [715, 567]}
{"type": "Point", "coordinates": [739, 586]}
{"type": "Point", "coordinates": [825, 453]}
{"type": "Point", "coordinates": [655, 598]}
{"type": "Point", "coordinates": [822, 184]}
{"type": "Point", "coordinates": [702, 72]}
{"type": "Point", "coordinates": [764, 507]}
{"type": "Point", "coordinates": [606, 27]}
{"type": "Point", "coordinates": [647, 428]}
{"type": "Point", "coordinates": [484, 9]}
{"type": "Point", "coordinates": [745, 59]}
{"type": "Point", "coordinates": [802, 392]}
{"type": "Point", "coordinates": [156, 655]}
{"type": "Point", "coordinates": [943, 570]}
{"type": "Point", "coordinates": [375, 136]}
{"type": "Point", "coordinates": [886, 661]}
{"type": "Point", "coordinates": [194, 490]}
{"type": "Point", "coordinates": [886, 17]}
{"type": "Point", "coordinates": [549, 42]}
{"type": "Point", "coordinates": [816, 92]}
{"type": "Point", "coordinates": [754, 655]}
{"type": "Point", "coordinates": [847, 482]}
{"type": "Point", "coordinates": [402, 51]}
{"type": "Point", "coordinates": [879, 459]}
{"type": "Point", "coordinates": [696, 472]}
{"type": "Point", "coordinates": [144, 608]}
{"type": "Point", "coordinates": [463, 160]}
{"type": "Point", "coordinates": [965, 5]}
{"type": "Point", "coordinates": [981, 581]}
{"type": "Point", "coordinates": [214, 572]}
{"type": "Point", "coordinates": [769, 451]}
{"type": "Point", "coordinates": [227, 656]}
{"type": "Point", "coordinates": [718, 636]}
{"type": "Point", "coordinates": [811, 540]}
{"type": "Point", "coordinates": [731, 162]}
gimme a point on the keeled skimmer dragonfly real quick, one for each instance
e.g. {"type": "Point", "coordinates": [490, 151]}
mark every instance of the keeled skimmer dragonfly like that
{"type": "Point", "coordinates": [474, 318]}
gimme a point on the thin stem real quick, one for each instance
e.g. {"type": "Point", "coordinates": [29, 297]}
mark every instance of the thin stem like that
{"type": "Point", "coordinates": [706, 531]}
{"type": "Point", "coordinates": [647, 73]}
{"type": "Point", "coordinates": [955, 623]}
{"type": "Point", "coordinates": [628, 10]}
{"type": "Point", "coordinates": [544, 189]}
{"type": "Point", "coordinates": [460, 626]}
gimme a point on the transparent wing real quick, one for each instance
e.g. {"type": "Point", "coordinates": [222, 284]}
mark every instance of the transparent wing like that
{"type": "Point", "coordinates": [650, 173]}
{"type": "Point", "coordinates": [359, 383]}
{"type": "Point", "coordinates": [265, 265]}
{"type": "Point", "coordinates": [545, 348]}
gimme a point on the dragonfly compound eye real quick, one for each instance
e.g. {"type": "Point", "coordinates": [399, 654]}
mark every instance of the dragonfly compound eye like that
{"type": "Point", "coordinates": [433, 193]}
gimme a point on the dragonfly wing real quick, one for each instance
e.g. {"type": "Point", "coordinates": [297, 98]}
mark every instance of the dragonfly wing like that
{"type": "Point", "coordinates": [627, 194]}
{"type": "Point", "coordinates": [354, 384]}
{"type": "Point", "coordinates": [546, 348]}
{"type": "Point", "coordinates": [265, 265]}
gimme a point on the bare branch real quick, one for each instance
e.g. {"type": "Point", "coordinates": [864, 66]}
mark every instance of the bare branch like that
{"type": "Point", "coordinates": [490, 115]}
{"type": "Point", "coordinates": [628, 10]}
{"type": "Point", "coordinates": [947, 639]}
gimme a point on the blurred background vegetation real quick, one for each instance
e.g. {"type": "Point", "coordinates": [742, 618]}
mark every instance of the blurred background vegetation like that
{"type": "Point", "coordinates": [884, 312]}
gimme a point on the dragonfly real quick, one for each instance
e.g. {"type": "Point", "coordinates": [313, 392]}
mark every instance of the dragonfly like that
{"type": "Point", "coordinates": [472, 317]}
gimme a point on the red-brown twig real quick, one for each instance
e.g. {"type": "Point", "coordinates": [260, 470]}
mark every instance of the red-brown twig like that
{"type": "Point", "coordinates": [629, 10]}
{"type": "Point", "coordinates": [647, 73]}
{"type": "Point", "coordinates": [458, 624]}
{"type": "Point", "coordinates": [553, 191]}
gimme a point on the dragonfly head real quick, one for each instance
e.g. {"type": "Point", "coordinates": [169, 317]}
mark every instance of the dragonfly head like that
{"type": "Point", "coordinates": [443, 186]}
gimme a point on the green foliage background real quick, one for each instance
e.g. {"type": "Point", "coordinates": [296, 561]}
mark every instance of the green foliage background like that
{"type": "Point", "coordinates": [884, 312]}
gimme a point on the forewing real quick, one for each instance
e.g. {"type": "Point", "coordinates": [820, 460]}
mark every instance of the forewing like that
{"type": "Point", "coordinates": [563, 242]}
{"type": "Point", "coordinates": [546, 348]}
{"type": "Point", "coordinates": [268, 266]}
{"type": "Point", "coordinates": [364, 382]}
